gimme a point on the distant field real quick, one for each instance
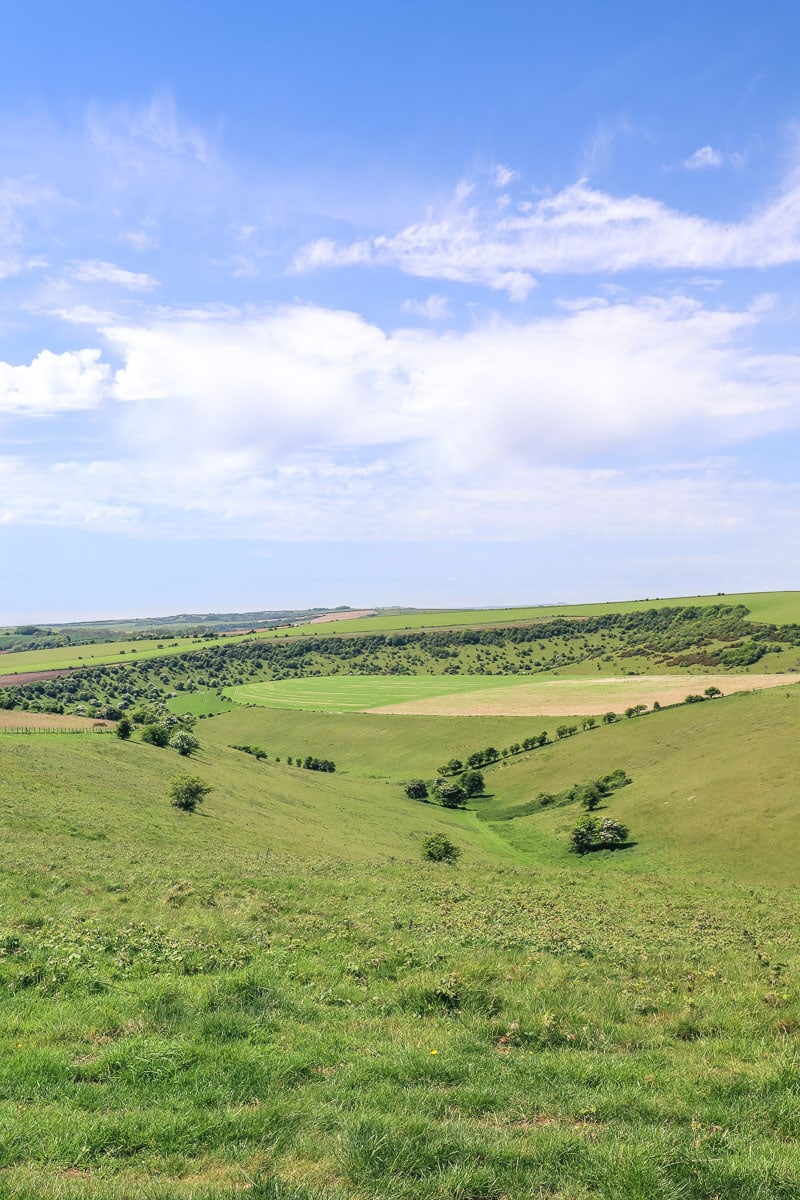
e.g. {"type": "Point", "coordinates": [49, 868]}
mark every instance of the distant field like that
{"type": "Point", "coordinates": [357, 693]}
{"type": "Point", "coordinates": [18, 719]}
{"type": "Point", "coordinates": [776, 607]}
{"type": "Point", "coordinates": [487, 695]}
{"type": "Point", "coordinates": [204, 703]}
{"type": "Point", "coordinates": [99, 654]}
{"type": "Point", "coordinates": [564, 697]}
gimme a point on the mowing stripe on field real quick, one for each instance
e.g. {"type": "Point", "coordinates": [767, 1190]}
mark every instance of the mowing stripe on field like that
{"type": "Point", "coordinates": [357, 693]}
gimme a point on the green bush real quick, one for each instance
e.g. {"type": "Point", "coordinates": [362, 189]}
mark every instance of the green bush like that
{"type": "Point", "coordinates": [417, 789]}
{"type": "Point", "coordinates": [185, 743]}
{"type": "Point", "coordinates": [155, 734]}
{"type": "Point", "coordinates": [438, 848]}
{"type": "Point", "coordinates": [187, 791]}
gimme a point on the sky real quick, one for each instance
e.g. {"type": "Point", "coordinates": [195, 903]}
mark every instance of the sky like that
{"type": "Point", "coordinates": [451, 303]}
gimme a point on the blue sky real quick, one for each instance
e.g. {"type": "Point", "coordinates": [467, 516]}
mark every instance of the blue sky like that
{"type": "Point", "coordinates": [448, 303]}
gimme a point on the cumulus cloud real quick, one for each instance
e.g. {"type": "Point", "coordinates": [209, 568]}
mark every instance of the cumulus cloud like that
{"type": "Point", "coordinates": [54, 383]}
{"type": "Point", "coordinates": [300, 378]}
{"type": "Point", "coordinates": [305, 422]}
{"type": "Point", "coordinates": [95, 271]}
{"type": "Point", "coordinates": [706, 156]}
{"type": "Point", "coordinates": [580, 229]}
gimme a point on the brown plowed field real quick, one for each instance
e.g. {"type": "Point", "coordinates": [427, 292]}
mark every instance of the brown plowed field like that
{"type": "Point", "coordinates": [568, 697]}
{"type": "Point", "coordinates": [30, 677]}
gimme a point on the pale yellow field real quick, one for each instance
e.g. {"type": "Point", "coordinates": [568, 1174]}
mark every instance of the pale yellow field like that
{"type": "Point", "coordinates": [568, 697]}
{"type": "Point", "coordinates": [18, 719]}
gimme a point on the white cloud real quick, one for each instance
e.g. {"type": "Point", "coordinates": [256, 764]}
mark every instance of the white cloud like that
{"type": "Point", "coordinates": [95, 271]}
{"type": "Point", "coordinates": [579, 230]}
{"type": "Point", "coordinates": [54, 383]}
{"type": "Point", "coordinates": [139, 239]}
{"type": "Point", "coordinates": [503, 176]}
{"type": "Point", "coordinates": [706, 156]}
{"type": "Point", "coordinates": [304, 423]}
{"type": "Point", "coordinates": [434, 308]}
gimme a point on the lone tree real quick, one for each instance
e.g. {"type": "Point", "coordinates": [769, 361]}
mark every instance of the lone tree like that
{"type": "Point", "coordinates": [187, 791]}
{"type": "Point", "coordinates": [185, 743]}
{"type": "Point", "coordinates": [438, 848]}
{"type": "Point", "coordinates": [591, 834]}
{"type": "Point", "coordinates": [417, 789]}
{"type": "Point", "coordinates": [124, 729]}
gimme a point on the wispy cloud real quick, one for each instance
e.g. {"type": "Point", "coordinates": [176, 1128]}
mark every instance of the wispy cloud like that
{"type": "Point", "coordinates": [580, 229]}
{"type": "Point", "coordinates": [95, 271]}
{"type": "Point", "coordinates": [434, 308]}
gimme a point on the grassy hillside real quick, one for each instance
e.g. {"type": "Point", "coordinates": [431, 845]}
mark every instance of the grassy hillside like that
{"type": "Point", "coordinates": [769, 607]}
{"type": "Point", "coordinates": [99, 789]}
{"type": "Point", "coordinates": [714, 788]}
{"type": "Point", "coordinates": [277, 998]}
{"type": "Point", "coordinates": [376, 746]}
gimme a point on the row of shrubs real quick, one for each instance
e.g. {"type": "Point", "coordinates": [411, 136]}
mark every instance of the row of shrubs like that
{"type": "Point", "coordinates": [309, 762]}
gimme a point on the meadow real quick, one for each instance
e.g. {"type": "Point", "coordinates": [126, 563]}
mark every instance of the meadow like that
{"type": "Point", "coordinates": [278, 997]}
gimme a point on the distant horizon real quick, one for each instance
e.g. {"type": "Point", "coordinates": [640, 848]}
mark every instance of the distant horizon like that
{"type": "Point", "coordinates": [207, 613]}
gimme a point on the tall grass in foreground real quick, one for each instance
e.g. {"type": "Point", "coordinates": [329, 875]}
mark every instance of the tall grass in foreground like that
{"type": "Point", "coordinates": [225, 1023]}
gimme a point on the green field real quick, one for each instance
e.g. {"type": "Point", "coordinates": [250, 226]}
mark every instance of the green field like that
{"type": "Point", "coordinates": [100, 654]}
{"type": "Point", "coordinates": [277, 997]}
{"type": "Point", "coordinates": [776, 607]}
{"type": "Point", "coordinates": [354, 693]}
{"type": "Point", "coordinates": [376, 746]}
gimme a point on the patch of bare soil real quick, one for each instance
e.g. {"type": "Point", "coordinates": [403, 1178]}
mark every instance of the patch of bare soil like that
{"type": "Point", "coordinates": [31, 676]}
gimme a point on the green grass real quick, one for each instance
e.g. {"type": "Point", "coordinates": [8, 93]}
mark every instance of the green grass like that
{"type": "Point", "coordinates": [715, 787]}
{"type": "Point", "coordinates": [375, 746]}
{"type": "Point", "coordinates": [277, 998]}
{"type": "Point", "coordinates": [775, 607]}
{"type": "Point", "coordinates": [100, 654]}
{"type": "Point", "coordinates": [355, 693]}
{"type": "Point", "coordinates": [205, 702]}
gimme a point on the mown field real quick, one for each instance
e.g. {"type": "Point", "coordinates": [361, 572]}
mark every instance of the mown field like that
{"type": "Point", "coordinates": [277, 997]}
{"type": "Point", "coordinates": [357, 693]}
{"type": "Point", "coordinates": [478, 695]}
